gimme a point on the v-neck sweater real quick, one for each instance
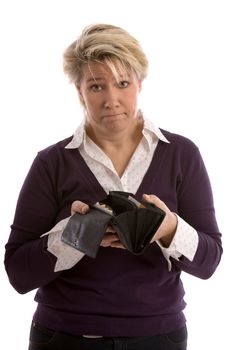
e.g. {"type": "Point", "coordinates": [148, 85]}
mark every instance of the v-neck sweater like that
{"type": "Point", "coordinates": [117, 293]}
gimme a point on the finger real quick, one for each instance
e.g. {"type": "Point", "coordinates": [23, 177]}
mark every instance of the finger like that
{"type": "Point", "coordinates": [151, 198]}
{"type": "Point", "coordinates": [117, 245]}
{"type": "Point", "coordinates": [110, 229]}
{"type": "Point", "coordinates": [108, 239]}
{"type": "Point", "coordinates": [79, 207]}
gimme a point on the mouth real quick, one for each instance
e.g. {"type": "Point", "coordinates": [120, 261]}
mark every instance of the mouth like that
{"type": "Point", "coordinates": [114, 115]}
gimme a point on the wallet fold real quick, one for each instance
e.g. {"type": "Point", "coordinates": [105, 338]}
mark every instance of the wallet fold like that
{"type": "Point", "coordinates": [84, 232]}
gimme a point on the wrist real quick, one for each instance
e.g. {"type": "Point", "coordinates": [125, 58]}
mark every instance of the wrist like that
{"type": "Point", "coordinates": [167, 239]}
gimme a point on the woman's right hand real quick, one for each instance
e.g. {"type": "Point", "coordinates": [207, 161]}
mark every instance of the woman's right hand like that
{"type": "Point", "coordinates": [110, 238]}
{"type": "Point", "coordinates": [79, 207]}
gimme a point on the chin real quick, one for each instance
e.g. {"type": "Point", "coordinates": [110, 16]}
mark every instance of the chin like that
{"type": "Point", "coordinates": [116, 124]}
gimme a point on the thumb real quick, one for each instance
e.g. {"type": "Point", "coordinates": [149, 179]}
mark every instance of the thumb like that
{"type": "Point", "coordinates": [79, 207]}
{"type": "Point", "coordinates": [149, 198]}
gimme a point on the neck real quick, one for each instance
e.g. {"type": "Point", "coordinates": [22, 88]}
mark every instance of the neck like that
{"type": "Point", "coordinates": [119, 139]}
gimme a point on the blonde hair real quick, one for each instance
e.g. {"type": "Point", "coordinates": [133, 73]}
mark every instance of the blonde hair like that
{"type": "Point", "coordinates": [108, 44]}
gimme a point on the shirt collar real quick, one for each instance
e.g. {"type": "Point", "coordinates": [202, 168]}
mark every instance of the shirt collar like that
{"type": "Point", "coordinates": [149, 130]}
{"type": "Point", "coordinates": [78, 137]}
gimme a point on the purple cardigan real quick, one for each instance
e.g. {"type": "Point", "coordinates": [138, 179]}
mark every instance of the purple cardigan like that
{"type": "Point", "coordinates": [117, 293]}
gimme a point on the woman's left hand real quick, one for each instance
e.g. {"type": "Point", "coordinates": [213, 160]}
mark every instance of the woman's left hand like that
{"type": "Point", "coordinates": [167, 229]}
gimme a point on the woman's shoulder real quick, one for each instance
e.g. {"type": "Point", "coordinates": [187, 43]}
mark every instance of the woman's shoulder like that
{"type": "Point", "coordinates": [179, 141]}
{"type": "Point", "coordinates": [55, 150]}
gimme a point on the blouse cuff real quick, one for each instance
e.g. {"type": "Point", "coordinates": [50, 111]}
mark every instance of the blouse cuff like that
{"type": "Point", "coordinates": [67, 256]}
{"type": "Point", "coordinates": [185, 242]}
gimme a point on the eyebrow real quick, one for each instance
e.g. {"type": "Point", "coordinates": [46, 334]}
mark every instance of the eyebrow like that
{"type": "Point", "coordinates": [93, 79]}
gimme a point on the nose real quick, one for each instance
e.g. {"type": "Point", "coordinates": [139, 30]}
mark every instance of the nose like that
{"type": "Point", "coordinates": [111, 98]}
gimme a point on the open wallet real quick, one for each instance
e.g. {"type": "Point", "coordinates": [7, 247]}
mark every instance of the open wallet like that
{"type": "Point", "coordinates": [134, 222]}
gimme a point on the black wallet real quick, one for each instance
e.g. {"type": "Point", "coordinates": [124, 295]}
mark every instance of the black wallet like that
{"type": "Point", "coordinates": [135, 223]}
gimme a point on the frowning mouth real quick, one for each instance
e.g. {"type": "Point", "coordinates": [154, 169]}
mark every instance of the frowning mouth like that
{"type": "Point", "coordinates": [113, 115]}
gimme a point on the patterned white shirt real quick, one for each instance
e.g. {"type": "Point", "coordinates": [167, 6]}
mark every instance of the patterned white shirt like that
{"type": "Point", "coordinates": [185, 241]}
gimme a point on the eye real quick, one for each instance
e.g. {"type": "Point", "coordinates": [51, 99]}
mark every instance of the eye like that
{"type": "Point", "coordinates": [95, 88]}
{"type": "Point", "coordinates": [123, 84]}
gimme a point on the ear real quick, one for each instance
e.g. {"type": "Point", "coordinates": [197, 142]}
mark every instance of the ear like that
{"type": "Point", "coordinates": [139, 85]}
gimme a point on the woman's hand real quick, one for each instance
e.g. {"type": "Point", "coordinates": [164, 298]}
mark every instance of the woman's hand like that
{"type": "Point", "coordinates": [110, 238]}
{"type": "Point", "coordinates": [79, 207]}
{"type": "Point", "coordinates": [167, 229]}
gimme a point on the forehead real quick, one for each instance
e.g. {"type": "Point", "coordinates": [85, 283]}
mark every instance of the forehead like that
{"type": "Point", "coordinates": [100, 70]}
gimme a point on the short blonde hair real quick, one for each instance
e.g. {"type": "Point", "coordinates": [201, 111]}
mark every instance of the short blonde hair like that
{"type": "Point", "coordinates": [105, 43]}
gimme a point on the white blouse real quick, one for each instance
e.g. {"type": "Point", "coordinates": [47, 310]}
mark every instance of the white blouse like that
{"type": "Point", "coordinates": [185, 241]}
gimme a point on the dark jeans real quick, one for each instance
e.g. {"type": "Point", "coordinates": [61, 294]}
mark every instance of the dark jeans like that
{"type": "Point", "coordinates": [42, 338]}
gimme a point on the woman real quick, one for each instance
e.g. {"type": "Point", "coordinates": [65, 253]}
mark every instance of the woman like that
{"type": "Point", "coordinates": [116, 300]}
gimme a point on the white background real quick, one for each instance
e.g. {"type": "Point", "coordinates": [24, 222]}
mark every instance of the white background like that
{"type": "Point", "coordinates": [189, 90]}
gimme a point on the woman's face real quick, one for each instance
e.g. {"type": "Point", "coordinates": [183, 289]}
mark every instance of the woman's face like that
{"type": "Point", "coordinates": [111, 106]}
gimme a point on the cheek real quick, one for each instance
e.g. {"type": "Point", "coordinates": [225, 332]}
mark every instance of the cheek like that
{"type": "Point", "coordinates": [132, 97]}
{"type": "Point", "coordinates": [91, 100]}
{"type": "Point", "coordinates": [92, 106]}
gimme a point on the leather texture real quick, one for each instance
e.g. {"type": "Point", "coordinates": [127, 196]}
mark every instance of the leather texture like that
{"type": "Point", "coordinates": [135, 223]}
{"type": "Point", "coordinates": [84, 232]}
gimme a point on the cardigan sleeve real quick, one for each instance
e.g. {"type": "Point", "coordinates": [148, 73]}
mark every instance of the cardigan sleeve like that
{"type": "Point", "coordinates": [196, 207]}
{"type": "Point", "coordinates": [28, 263]}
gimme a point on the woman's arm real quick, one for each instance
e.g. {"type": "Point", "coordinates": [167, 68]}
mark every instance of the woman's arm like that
{"type": "Point", "coordinates": [28, 263]}
{"type": "Point", "coordinates": [196, 208]}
